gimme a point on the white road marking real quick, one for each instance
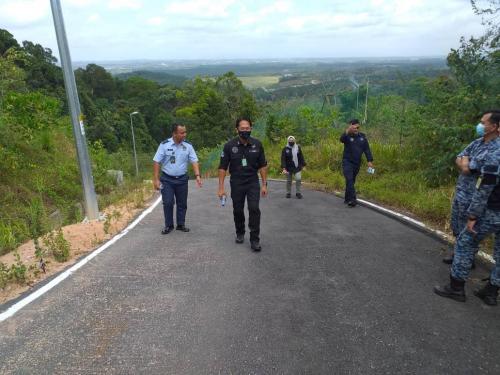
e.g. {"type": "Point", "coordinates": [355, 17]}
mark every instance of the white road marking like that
{"type": "Point", "coordinates": [33, 296]}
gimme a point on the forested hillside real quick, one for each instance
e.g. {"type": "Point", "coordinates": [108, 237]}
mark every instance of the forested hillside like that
{"type": "Point", "coordinates": [38, 169]}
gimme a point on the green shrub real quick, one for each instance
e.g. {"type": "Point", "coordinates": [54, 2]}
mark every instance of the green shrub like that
{"type": "Point", "coordinates": [57, 245]}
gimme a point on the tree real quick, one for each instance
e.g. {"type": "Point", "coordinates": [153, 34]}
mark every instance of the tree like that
{"type": "Point", "coordinates": [7, 41]}
{"type": "Point", "coordinates": [41, 71]}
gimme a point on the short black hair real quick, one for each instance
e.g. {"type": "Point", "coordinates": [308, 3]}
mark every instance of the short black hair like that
{"type": "Point", "coordinates": [354, 121]}
{"type": "Point", "coordinates": [243, 119]}
{"type": "Point", "coordinates": [176, 126]}
{"type": "Point", "coordinates": [495, 116]}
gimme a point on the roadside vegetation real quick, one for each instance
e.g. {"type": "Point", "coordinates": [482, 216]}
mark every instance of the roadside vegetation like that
{"type": "Point", "coordinates": [417, 118]}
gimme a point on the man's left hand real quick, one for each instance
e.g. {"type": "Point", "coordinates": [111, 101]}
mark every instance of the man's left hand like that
{"type": "Point", "coordinates": [470, 226]}
{"type": "Point", "coordinates": [199, 182]}
{"type": "Point", "coordinates": [263, 191]}
{"type": "Point", "coordinates": [370, 164]}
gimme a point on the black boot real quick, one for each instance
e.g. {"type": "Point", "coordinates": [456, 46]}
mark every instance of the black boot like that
{"type": "Point", "coordinates": [448, 259]}
{"type": "Point", "coordinates": [488, 294]}
{"type": "Point", "coordinates": [454, 290]}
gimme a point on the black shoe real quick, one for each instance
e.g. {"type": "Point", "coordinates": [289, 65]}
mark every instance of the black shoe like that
{"type": "Point", "coordinates": [182, 228]}
{"type": "Point", "coordinates": [448, 259]}
{"type": "Point", "coordinates": [488, 294]}
{"type": "Point", "coordinates": [352, 203]}
{"type": "Point", "coordinates": [454, 290]}
{"type": "Point", "coordinates": [298, 195]}
{"type": "Point", "coordinates": [288, 195]}
{"type": "Point", "coordinates": [255, 245]}
{"type": "Point", "coordinates": [240, 238]}
{"type": "Point", "coordinates": [167, 230]}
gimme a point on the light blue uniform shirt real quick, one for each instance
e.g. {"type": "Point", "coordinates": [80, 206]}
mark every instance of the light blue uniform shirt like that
{"type": "Point", "coordinates": [174, 158]}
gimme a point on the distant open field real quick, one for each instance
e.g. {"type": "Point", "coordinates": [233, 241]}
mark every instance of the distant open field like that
{"type": "Point", "coordinates": [253, 82]}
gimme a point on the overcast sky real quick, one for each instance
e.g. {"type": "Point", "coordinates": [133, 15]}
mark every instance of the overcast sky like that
{"type": "Point", "coordinates": [226, 29]}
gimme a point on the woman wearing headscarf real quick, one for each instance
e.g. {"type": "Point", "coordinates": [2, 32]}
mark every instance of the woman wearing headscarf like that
{"type": "Point", "coordinates": [292, 163]}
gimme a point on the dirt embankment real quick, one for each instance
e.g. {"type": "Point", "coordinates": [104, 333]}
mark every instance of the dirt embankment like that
{"type": "Point", "coordinates": [82, 238]}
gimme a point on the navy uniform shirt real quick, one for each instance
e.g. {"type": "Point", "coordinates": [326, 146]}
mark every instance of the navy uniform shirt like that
{"type": "Point", "coordinates": [487, 195]}
{"type": "Point", "coordinates": [174, 158]}
{"type": "Point", "coordinates": [244, 161]}
{"type": "Point", "coordinates": [466, 183]}
{"type": "Point", "coordinates": [354, 147]}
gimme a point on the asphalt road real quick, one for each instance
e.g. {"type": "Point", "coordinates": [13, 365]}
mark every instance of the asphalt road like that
{"type": "Point", "coordinates": [334, 291]}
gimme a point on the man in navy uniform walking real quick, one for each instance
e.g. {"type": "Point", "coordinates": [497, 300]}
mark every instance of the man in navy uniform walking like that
{"type": "Point", "coordinates": [173, 157]}
{"type": "Point", "coordinates": [355, 145]}
{"type": "Point", "coordinates": [244, 156]}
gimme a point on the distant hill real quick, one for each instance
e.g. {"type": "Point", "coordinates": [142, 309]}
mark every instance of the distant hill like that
{"type": "Point", "coordinates": [161, 77]}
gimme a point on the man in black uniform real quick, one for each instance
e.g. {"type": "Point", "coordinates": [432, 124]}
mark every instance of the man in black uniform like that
{"type": "Point", "coordinates": [355, 144]}
{"type": "Point", "coordinates": [245, 158]}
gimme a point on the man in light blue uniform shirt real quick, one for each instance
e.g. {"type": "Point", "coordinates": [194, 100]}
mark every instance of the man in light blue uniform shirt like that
{"type": "Point", "coordinates": [173, 157]}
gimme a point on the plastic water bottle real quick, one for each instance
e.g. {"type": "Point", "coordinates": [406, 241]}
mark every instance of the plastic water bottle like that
{"type": "Point", "coordinates": [371, 170]}
{"type": "Point", "coordinates": [223, 200]}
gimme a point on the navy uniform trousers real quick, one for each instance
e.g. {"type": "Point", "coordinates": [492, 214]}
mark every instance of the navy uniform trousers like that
{"type": "Point", "coordinates": [350, 171]}
{"type": "Point", "coordinates": [174, 191]}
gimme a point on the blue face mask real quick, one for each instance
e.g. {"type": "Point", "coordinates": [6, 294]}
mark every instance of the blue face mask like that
{"type": "Point", "coordinates": [480, 130]}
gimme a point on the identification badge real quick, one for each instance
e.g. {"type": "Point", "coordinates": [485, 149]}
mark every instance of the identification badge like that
{"type": "Point", "coordinates": [172, 159]}
{"type": "Point", "coordinates": [244, 162]}
{"type": "Point", "coordinates": [478, 183]}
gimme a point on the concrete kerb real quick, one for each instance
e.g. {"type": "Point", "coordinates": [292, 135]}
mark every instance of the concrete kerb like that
{"type": "Point", "coordinates": [444, 238]}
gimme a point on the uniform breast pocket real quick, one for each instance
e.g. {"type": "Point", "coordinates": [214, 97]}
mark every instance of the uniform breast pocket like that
{"type": "Point", "coordinates": [253, 158]}
{"type": "Point", "coordinates": [170, 157]}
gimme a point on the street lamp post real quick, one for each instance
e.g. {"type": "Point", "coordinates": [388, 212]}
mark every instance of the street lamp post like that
{"type": "Point", "coordinates": [133, 142]}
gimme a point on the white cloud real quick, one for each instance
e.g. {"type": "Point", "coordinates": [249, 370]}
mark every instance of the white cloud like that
{"type": "Point", "coordinates": [326, 21]}
{"type": "Point", "coordinates": [156, 21]}
{"type": "Point", "coordinates": [23, 12]}
{"type": "Point", "coordinates": [94, 18]}
{"type": "Point", "coordinates": [80, 3]}
{"type": "Point", "coordinates": [200, 8]}
{"type": "Point", "coordinates": [277, 7]}
{"type": "Point", "coordinates": [124, 4]}
{"type": "Point", "coordinates": [261, 16]}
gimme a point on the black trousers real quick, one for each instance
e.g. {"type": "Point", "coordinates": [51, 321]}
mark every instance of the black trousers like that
{"type": "Point", "coordinates": [250, 191]}
{"type": "Point", "coordinates": [350, 171]}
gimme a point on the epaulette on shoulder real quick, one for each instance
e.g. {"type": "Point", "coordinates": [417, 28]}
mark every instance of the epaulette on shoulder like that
{"type": "Point", "coordinates": [189, 143]}
{"type": "Point", "coordinates": [165, 141]}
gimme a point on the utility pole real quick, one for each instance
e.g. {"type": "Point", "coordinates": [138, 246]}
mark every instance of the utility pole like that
{"type": "Point", "coordinates": [357, 99]}
{"type": "Point", "coordinates": [133, 142]}
{"type": "Point", "coordinates": [366, 102]}
{"type": "Point", "coordinates": [90, 199]}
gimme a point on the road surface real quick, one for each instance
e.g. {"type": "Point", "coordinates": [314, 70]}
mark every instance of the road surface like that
{"type": "Point", "coordinates": [334, 291]}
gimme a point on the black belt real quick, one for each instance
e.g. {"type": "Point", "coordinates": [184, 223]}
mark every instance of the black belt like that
{"type": "Point", "coordinates": [174, 177]}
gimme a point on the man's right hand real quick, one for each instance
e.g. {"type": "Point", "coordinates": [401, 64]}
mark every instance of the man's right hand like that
{"type": "Point", "coordinates": [156, 184]}
{"type": "Point", "coordinates": [221, 193]}
{"type": "Point", "coordinates": [284, 171]}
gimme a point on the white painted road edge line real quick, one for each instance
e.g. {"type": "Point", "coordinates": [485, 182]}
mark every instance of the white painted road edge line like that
{"type": "Point", "coordinates": [486, 257]}
{"type": "Point", "coordinates": [33, 296]}
{"type": "Point", "coordinates": [481, 254]}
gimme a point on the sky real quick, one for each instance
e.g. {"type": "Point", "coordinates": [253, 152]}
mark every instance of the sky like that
{"type": "Point", "coordinates": [101, 30]}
